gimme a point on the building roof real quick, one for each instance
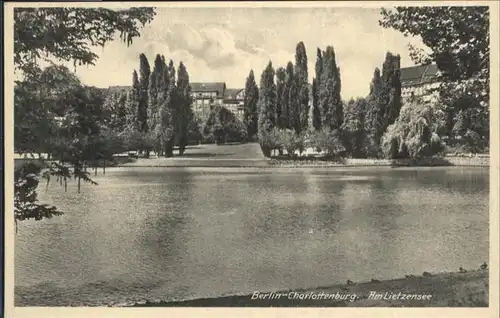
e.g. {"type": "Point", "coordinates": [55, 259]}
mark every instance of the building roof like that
{"type": "Point", "coordinates": [417, 75]}
{"type": "Point", "coordinates": [208, 87]}
{"type": "Point", "coordinates": [232, 93]}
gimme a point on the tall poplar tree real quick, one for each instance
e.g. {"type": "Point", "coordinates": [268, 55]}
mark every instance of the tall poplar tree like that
{"type": "Point", "coordinates": [169, 112]}
{"type": "Point", "coordinates": [164, 126]}
{"type": "Point", "coordinates": [184, 112]}
{"type": "Point", "coordinates": [316, 87]}
{"type": "Point", "coordinates": [267, 108]}
{"type": "Point", "coordinates": [392, 83]}
{"type": "Point", "coordinates": [301, 75]}
{"type": "Point", "coordinates": [385, 98]}
{"type": "Point", "coordinates": [250, 103]}
{"type": "Point", "coordinates": [280, 103]}
{"type": "Point", "coordinates": [329, 92]}
{"type": "Point", "coordinates": [144, 73]}
{"type": "Point", "coordinates": [133, 104]}
{"type": "Point", "coordinates": [290, 96]}
{"type": "Point", "coordinates": [155, 85]}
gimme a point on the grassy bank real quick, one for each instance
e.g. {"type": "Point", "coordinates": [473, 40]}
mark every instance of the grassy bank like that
{"type": "Point", "coordinates": [468, 289]}
{"type": "Point", "coordinates": [473, 161]}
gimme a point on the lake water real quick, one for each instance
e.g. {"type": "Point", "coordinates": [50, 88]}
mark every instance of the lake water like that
{"type": "Point", "coordinates": [175, 233]}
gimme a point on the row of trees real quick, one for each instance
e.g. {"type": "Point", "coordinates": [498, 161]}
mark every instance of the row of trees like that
{"type": "Point", "coordinates": [377, 125]}
{"type": "Point", "coordinates": [283, 103]}
{"type": "Point", "coordinates": [155, 115]}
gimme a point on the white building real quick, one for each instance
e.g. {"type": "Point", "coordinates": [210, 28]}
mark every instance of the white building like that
{"type": "Point", "coordinates": [419, 81]}
{"type": "Point", "coordinates": [234, 99]}
{"type": "Point", "coordinates": [206, 95]}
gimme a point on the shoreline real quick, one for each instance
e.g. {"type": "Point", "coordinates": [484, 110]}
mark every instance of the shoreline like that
{"type": "Point", "coordinates": [447, 289]}
{"type": "Point", "coordinates": [275, 163]}
{"type": "Point", "coordinates": [272, 163]}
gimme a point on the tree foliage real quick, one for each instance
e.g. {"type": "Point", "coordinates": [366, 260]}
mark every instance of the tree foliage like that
{"type": "Point", "coordinates": [251, 99]}
{"type": "Point", "coordinates": [115, 108]}
{"type": "Point", "coordinates": [144, 74]}
{"type": "Point", "coordinates": [223, 126]}
{"type": "Point", "coordinates": [459, 41]}
{"type": "Point", "coordinates": [329, 91]}
{"type": "Point", "coordinates": [354, 128]}
{"type": "Point", "coordinates": [68, 34]}
{"type": "Point", "coordinates": [184, 113]}
{"type": "Point", "coordinates": [51, 105]}
{"type": "Point", "coordinates": [289, 107]}
{"type": "Point", "coordinates": [281, 111]}
{"type": "Point", "coordinates": [384, 101]}
{"type": "Point", "coordinates": [415, 133]}
{"type": "Point", "coordinates": [267, 107]}
{"type": "Point", "coordinates": [316, 84]}
{"type": "Point", "coordinates": [327, 141]}
{"type": "Point", "coordinates": [302, 78]}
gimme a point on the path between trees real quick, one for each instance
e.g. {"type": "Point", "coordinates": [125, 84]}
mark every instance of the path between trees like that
{"type": "Point", "coordinates": [208, 155]}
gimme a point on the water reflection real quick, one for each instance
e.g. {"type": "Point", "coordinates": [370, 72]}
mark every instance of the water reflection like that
{"type": "Point", "coordinates": [186, 233]}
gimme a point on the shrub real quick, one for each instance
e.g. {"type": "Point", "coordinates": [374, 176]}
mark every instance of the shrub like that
{"type": "Point", "coordinates": [327, 141]}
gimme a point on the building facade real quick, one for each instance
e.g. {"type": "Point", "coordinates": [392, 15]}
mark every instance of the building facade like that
{"type": "Point", "coordinates": [234, 99]}
{"type": "Point", "coordinates": [419, 81]}
{"type": "Point", "coordinates": [206, 95]}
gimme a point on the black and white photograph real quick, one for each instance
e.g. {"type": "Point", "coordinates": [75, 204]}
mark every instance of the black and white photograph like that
{"type": "Point", "coordinates": [251, 154]}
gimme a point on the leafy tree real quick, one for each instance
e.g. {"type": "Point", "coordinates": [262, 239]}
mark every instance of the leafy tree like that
{"type": "Point", "coordinates": [392, 88]}
{"type": "Point", "coordinates": [459, 42]}
{"type": "Point", "coordinates": [115, 107]}
{"type": "Point", "coordinates": [144, 74]}
{"type": "Point", "coordinates": [415, 133]}
{"type": "Point", "coordinates": [384, 101]}
{"type": "Point", "coordinates": [132, 104]}
{"type": "Point", "coordinates": [195, 134]}
{"type": "Point", "coordinates": [374, 116]}
{"type": "Point", "coordinates": [26, 206]}
{"type": "Point", "coordinates": [251, 100]}
{"type": "Point", "coordinates": [66, 34]}
{"type": "Point", "coordinates": [154, 89]}
{"type": "Point", "coordinates": [316, 84]}
{"type": "Point", "coordinates": [280, 98]}
{"type": "Point", "coordinates": [267, 107]}
{"type": "Point", "coordinates": [289, 97]}
{"type": "Point", "coordinates": [328, 141]}
{"type": "Point", "coordinates": [302, 78]}
{"type": "Point", "coordinates": [353, 129]}
{"type": "Point", "coordinates": [168, 112]}
{"type": "Point", "coordinates": [184, 112]}
{"type": "Point", "coordinates": [69, 33]}
{"type": "Point", "coordinates": [223, 126]}
{"type": "Point", "coordinates": [329, 91]}
{"type": "Point", "coordinates": [316, 120]}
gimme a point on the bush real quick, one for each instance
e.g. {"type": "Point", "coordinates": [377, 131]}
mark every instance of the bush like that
{"type": "Point", "coordinates": [327, 141]}
{"type": "Point", "coordinates": [223, 126]}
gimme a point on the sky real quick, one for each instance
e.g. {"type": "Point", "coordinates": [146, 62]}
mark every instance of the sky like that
{"type": "Point", "coordinates": [222, 44]}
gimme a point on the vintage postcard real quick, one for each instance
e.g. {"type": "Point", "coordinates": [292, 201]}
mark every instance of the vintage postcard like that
{"type": "Point", "coordinates": [326, 158]}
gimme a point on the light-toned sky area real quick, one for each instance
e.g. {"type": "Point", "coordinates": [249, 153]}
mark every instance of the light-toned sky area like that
{"type": "Point", "coordinates": [223, 44]}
